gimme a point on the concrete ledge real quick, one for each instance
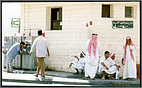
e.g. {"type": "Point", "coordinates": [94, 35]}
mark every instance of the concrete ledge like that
{"type": "Point", "coordinates": [29, 78]}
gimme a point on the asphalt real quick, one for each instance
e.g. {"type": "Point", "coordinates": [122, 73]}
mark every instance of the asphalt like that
{"type": "Point", "coordinates": [57, 78]}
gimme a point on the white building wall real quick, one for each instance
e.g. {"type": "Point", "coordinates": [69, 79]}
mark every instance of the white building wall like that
{"type": "Point", "coordinates": [64, 44]}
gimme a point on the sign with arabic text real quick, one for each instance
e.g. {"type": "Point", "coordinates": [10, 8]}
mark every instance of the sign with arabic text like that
{"type": "Point", "coordinates": [122, 24]}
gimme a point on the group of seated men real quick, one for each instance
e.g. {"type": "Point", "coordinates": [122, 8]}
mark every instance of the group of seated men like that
{"type": "Point", "coordinates": [107, 65]}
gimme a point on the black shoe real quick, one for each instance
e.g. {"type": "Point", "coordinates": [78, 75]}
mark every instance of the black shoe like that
{"type": "Point", "coordinates": [36, 75]}
{"type": "Point", "coordinates": [43, 77]}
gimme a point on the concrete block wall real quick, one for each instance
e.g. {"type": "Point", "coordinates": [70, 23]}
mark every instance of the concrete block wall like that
{"type": "Point", "coordinates": [114, 39]}
{"type": "Point", "coordinates": [71, 40]}
{"type": "Point", "coordinates": [33, 17]}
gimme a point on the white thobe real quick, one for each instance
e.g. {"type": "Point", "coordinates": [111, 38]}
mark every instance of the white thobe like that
{"type": "Point", "coordinates": [91, 64]}
{"type": "Point", "coordinates": [74, 63]}
{"type": "Point", "coordinates": [40, 43]}
{"type": "Point", "coordinates": [112, 66]}
{"type": "Point", "coordinates": [129, 70]}
{"type": "Point", "coordinates": [81, 63]}
{"type": "Point", "coordinates": [107, 62]}
{"type": "Point", "coordinates": [114, 69]}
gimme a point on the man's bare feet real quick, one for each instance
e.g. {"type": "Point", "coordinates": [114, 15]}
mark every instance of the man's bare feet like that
{"type": "Point", "coordinates": [91, 78]}
{"type": "Point", "coordinates": [111, 77]}
{"type": "Point", "coordinates": [103, 78]}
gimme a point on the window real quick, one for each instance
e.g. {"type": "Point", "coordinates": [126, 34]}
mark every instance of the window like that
{"type": "Point", "coordinates": [128, 12]}
{"type": "Point", "coordinates": [56, 18]}
{"type": "Point", "coordinates": [106, 11]}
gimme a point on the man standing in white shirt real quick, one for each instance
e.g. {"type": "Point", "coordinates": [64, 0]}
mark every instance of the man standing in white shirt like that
{"type": "Point", "coordinates": [40, 43]}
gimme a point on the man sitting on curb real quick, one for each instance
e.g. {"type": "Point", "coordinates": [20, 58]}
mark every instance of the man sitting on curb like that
{"type": "Point", "coordinates": [79, 63]}
{"type": "Point", "coordinates": [114, 65]}
{"type": "Point", "coordinates": [105, 65]}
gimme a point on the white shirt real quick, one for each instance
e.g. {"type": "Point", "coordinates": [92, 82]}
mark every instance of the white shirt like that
{"type": "Point", "coordinates": [75, 62]}
{"type": "Point", "coordinates": [82, 60]}
{"type": "Point", "coordinates": [40, 43]}
{"type": "Point", "coordinates": [107, 61]}
{"type": "Point", "coordinates": [112, 62]}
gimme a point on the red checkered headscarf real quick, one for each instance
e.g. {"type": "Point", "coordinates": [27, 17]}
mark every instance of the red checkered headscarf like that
{"type": "Point", "coordinates": [93, 42]}
{"type": "Point", "coordinates": [111, 54]}
{"type": "Point", "coordinates": [131, 43]}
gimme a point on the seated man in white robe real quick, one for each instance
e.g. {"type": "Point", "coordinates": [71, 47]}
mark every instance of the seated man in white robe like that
{"type": "Point", "coordinates": [115, 66]}
{"type": "Point", "coordinates": [79, 63]}
{"type": "Point", "coordinates": [105, 65]}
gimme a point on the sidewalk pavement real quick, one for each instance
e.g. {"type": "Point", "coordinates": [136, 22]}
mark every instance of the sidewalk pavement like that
{"type": "Point", "coordinates": [56, 78]}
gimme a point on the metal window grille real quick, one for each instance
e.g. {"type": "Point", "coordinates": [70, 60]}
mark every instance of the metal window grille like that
{"type": "Point", "coordinates": [128, 12]}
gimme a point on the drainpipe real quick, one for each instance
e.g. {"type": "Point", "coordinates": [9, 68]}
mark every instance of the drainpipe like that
{"type": "Point", "coordinates": [21, 58]}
